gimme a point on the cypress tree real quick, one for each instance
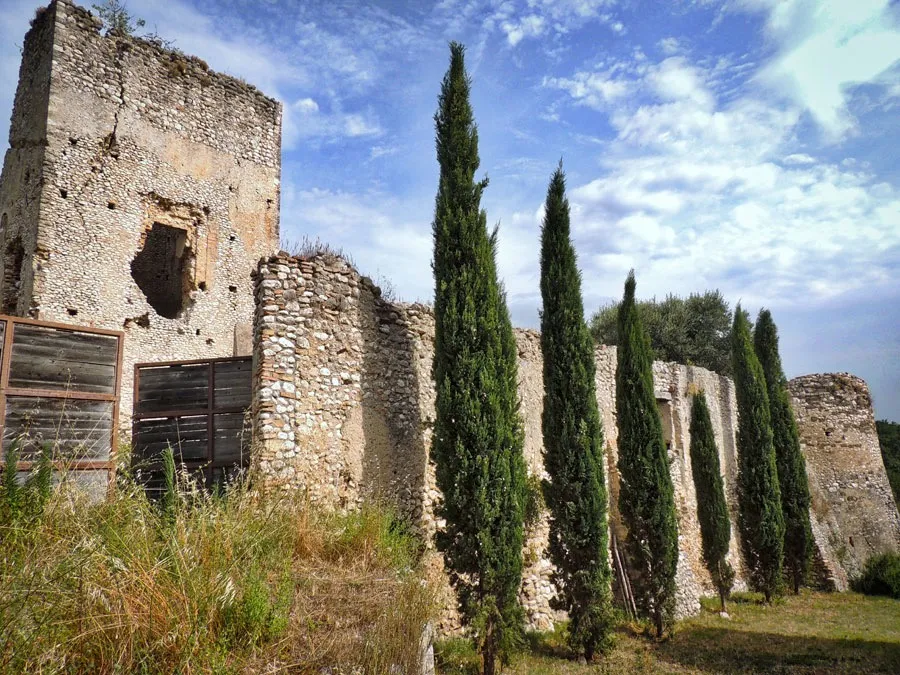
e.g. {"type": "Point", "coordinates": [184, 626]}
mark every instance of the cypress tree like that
{"type": "Point", "coordinates": [798, 539]}
{"type": "Point", "coordinates": [759, 497]}
{"type": "Point", "coordinates": [712, 508]}
{"type": "Point", "coordinates": [573, 438]}
{"type": "Point", "coordinates": [646, 495]}
{"type": "Point", "coordinates": [478, 433]}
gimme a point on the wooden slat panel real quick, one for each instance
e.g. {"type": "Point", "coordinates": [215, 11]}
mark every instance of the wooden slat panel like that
{"type": "Point", "coordinates": [233, 384]}
{"type": "Point", "coordinates": [186, 435]}
{"type": "Point", "coordinates": [48, 358]}
{"type": "Point", "coordinates": [72, 429]}
{"type": "Point", "coordinates": [231, 441]}
{"type": "Point", "coordinates": [180, 392]}
{"type": "Point", "coordinates": [173, 388]}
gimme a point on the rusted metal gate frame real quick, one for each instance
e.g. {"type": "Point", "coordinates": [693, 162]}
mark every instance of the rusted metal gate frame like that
{"type": "Point", "coordinates": [209, 411]}
{"type": "Point", "coordinates": [68, 394]}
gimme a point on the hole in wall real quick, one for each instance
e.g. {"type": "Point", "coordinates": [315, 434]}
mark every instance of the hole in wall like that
{"type": "Point", "coordinates": [71, 311]}
{"type": "Point", "coordinates": [231, 237]}
{"type": "Point", "coordinates": [13, 259]}
{"type": "Point", "coordinates": [209, 341]}
{"type": "Point", "coordinates": [110, 205]}
{"type": "Point", "coordinates": [232, 289]}
{"type": "Point", "coordinates": [198, 331]}
{"type": "Point", "coordinates": [73, 140]}
{"type": "Point", "coordinates": [162, 270]}
{"type": "Point", "coordinates": [143, 321]}
{"type": "Point", "coordinates": [202, 285]}
{"type": "Point", "coordinates": [63, 193]}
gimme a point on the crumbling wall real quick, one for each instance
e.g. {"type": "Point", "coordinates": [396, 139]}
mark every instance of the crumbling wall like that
{"type": "Point", "coordinates": [21, 183]}
{"type": "Point", "coordinates": [853, 511]}
{"type": "Point", "coordinates": [120, 137]}
{"type": "Point", "coordinates": [344, 408]}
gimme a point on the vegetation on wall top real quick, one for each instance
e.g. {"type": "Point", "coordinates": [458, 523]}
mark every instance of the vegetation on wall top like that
{"type": "Point", "coordinates": [695, 330]}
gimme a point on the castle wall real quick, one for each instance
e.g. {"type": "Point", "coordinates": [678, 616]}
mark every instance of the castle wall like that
{"type": "Point", "coordinates": [144, 150]}
{"type": "Point", "coordinates": [854, 515]}
{"type": "Point", "coordinates": [344, 409]}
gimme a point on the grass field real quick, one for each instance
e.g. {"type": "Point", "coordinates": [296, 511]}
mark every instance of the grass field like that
{"type": "Point", "coordinates": [813, 633]}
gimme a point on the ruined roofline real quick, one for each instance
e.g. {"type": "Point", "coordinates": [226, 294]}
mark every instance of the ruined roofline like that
{"type": "Point", "coordinates": [839, 378]}
{"type": "Point", "coordinates": [338, 262]}
{"type": "Point", "coordinates": [178, 63]}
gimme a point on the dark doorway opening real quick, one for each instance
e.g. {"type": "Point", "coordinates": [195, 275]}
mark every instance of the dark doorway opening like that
{"type": "Point", "coordinates": [13, 259]}
{"type": "Point", "coordinates": [162, 270]}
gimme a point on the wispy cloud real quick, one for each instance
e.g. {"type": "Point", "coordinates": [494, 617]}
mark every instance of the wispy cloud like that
{"type": "Point", "coordinates": [697, 191]}
{"type": "Point", "coordinates": [304, 119]}
{"type": "Point", "coordinates": [824, 50]}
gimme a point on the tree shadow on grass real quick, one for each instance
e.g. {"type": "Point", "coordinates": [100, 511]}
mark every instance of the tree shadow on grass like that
{"type": "Point", "coordinates": [716, 650]}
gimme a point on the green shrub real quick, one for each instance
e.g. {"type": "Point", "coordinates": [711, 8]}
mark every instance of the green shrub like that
{"type": "Point", "coordinates": [880, 576]}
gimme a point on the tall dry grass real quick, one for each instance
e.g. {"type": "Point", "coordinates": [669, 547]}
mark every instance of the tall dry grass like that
{"type": "Point", "coordinates": [202, 583]}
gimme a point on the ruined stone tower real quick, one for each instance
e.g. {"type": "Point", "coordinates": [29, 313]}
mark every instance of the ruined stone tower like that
{"type": "Point", "coordinates": [138, 193]}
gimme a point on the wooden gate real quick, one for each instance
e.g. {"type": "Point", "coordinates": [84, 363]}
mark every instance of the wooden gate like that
{"type": "Point", "coordinates": [59, 389]}
{"type": "Point", "coordinates": [198, 408]}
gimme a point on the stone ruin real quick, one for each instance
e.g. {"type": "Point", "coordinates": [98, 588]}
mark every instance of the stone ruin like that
{"type": "Point", "coordinates": [343, 409]}
{"type": "Point", "coordinates": [141, 193]}
{"type": "Point", "coordinates": [138, 192]}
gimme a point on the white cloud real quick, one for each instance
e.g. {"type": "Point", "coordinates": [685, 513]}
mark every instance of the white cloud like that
{"type": "Point", "coordinates": [305, 119]}
{"type": "Point", "coordinates": [523, 19]}
{"type": "Point", "coordinates": [675, 80]}
{"type": "Point", "coordinates": [798, 158]}
{"type": "Point", "coordinates": [669, 46]}
{"type": "Point", "coordinates": [824, 49]}
{"type": "Point", "coordinates": [306, 106]}
{"type": "Point", "coordinates": [528, 26]}
{"type": "Point", "coordinates": [697, 193]}
{"type": "Point", "coordinates": [377, 151]}
{"type": "Point", "coordinates": [593, 89]}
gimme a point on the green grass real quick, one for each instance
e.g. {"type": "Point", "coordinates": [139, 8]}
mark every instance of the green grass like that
{"type": "Point", "coordinates": [840, 633]}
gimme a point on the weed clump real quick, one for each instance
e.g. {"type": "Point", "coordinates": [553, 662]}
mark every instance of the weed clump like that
{"type": "Point", "coordinates": [199, 582]}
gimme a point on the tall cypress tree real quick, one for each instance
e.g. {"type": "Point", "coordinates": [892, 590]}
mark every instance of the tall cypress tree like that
{"type": "Point", "coordinates": [712, 508]}
{"type": "Point", "coordinates": [478, 433]}
{"type": "Point", "coordinates": [798, 539]}
{"type": "Point", "coordinates": [646, 495]}
{"type": "Point", "coordinates": [759, 497]}
{"type": "Point", "coordinates": [573, 438]}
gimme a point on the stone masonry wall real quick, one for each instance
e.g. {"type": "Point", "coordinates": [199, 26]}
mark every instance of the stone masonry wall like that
{"type": "Point", "coordinates": [853, 511]}
{"type": "Point", "coordinates": [344, 409]}
{"type": "Point", "coordinates": [115, 141]}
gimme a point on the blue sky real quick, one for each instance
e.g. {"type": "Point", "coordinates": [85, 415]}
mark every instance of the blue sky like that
{"type": "Point", "coordinates": [745, 145]}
